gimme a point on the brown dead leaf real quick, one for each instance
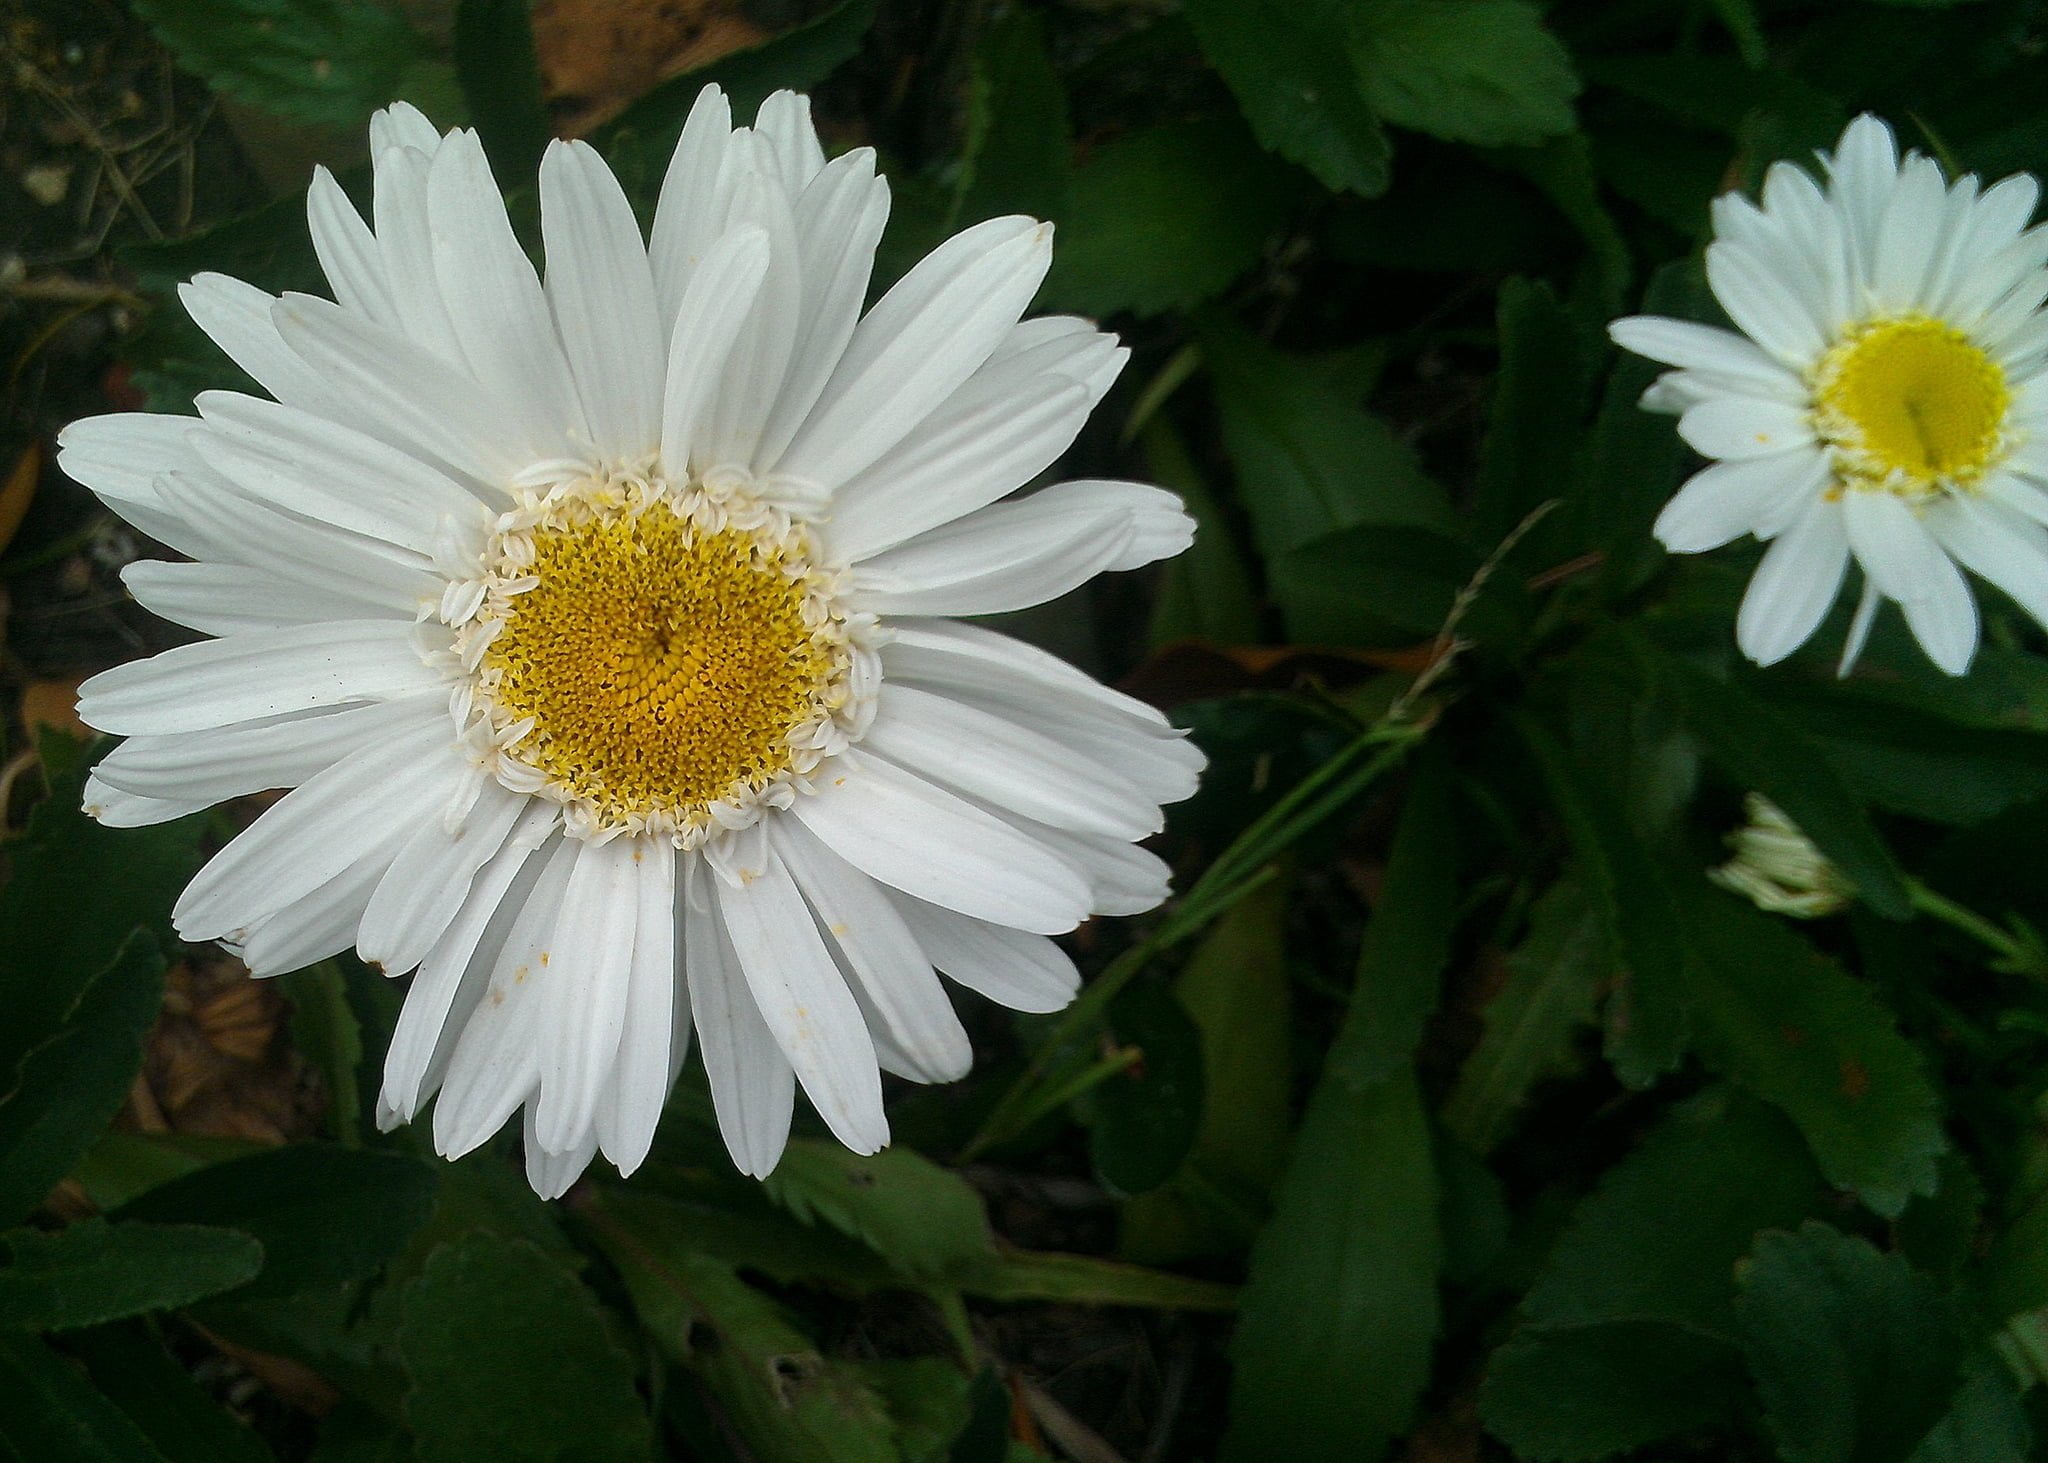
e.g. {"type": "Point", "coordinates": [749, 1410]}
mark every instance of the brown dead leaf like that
{"type": "Point", "coordinates": [597, 56]}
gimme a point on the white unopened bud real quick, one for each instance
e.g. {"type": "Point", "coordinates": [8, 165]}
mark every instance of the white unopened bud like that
{"type": "Point", "coordinates": [1777, 868]}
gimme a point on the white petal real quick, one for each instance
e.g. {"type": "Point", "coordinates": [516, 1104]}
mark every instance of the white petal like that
{"type": "Point", "coordinates": [695, 198]}
{"type": "Point", "coordinates": [428, 881]}
{"type": "Point", "coordinates": [1737, 427]}
{"type": "Point", "coordinates": [552, 1175]}
{"type": "Point", "coordinates": [261, 673]}
{"type": "Point", "coordinates": [1792, 589]}
{"type": "Point", "coordinates": [784, 123]}
{"type": "Point", "coordinates": [759, 360]}
{"type": "Point", "coordinates": [121, 455]}
{"type": "Point", "coordinates": [226, 599]}
{"type": "Point", "coordinates": [1765, 307]}
{"type": "Point", "coordinates": [602, 293]}
{"type": "Point", "coordinates": [118, 809]}
{"type": "Point", "coordinates": [366, 804]}
{"type": "Point", "coordinates": [496, 1061]}
{"type": "Point", "coordinates": [1123, 878]}
{"type": "Point", "coordinates": [347, 251]}
{"type": "Point", "coordinates": [1161, 527]}
{"type": "Point", "coordinates": [241, 321]}
{"type": "Point", "coordinates": [714, 308]}
{"type": "Point", "coordinates": [1907, 565]}
{"type": "Point", "coordinates": [1022, 971]}
{"type": "Point", "coordinates": [926, 336]}
{"type": "Point", "coordinates": [802, 997]}
{"type": "Point", "coordinates": [1908, 235]}
{"type": "Point", "coordinates": [905, 1002]}
{"type": "Point", "coordinates": [1704, 348]}
{"type": "Point", "coordinates": [496, 307]}
{"type": "Point", "coordinates": [899, 829]}
{"type": "Point", "coordinates": [947, 654]}
{"type": "Point", "coordinates": [993, 759]}
{"type": "Point", "coordinates": [319, 924]}
{"type": "Point", "coordinates": [630, 1109]}
{"type": "Point", "coordinates": [233, 761]}
{"type": "Point", "coordinates": [1006, 557]}
{"type": "Point", "coordinates": [1993, 541]}
{"type": "Point", "coordinates": [405, 245]}
{"type": "Point", "coordinates": [585, 971]}
{"type": "Point", "coordinates": [1725, 500]}
{"type": "Point", "coordinates": [753, 1087]}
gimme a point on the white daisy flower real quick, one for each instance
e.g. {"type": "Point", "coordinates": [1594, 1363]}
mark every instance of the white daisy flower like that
{"type": "Point", "coordinates": [1885, 400]}
{"type": "Point", "coordinates": [601, 625]}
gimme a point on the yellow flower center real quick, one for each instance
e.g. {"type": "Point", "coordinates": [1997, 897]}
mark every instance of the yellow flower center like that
{"type": "Point", "coordinates": [644, 665]}
{"type": "Point", "coordinates": [1910, 406]}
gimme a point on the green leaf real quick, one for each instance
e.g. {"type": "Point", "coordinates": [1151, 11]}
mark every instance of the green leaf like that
{"type": "Point", "coordinates": [510, 1358]}
{"type": "Point", "coordinates": [1761, 751]}
{"type": "Point", "coordinates": [1237, 992]}
{"type": "Point", "coordinates": [1205, 593]}
{"type": "Point", "coordinates": [1407, 941]}
{"type": "Point", "coordinates": [107, 882]}
{"type": "Point", "coordinates": [1986, 1423]}
{"type": "Point", "coordinates": [92, 1272]}
{"type": "Point", "coordinates": [500, 78]}
{"type": "Point", "coordinates": [1484, 71]}
{"type": "Point", "coordinates": [1628, 1334]}
{"type": "Point", "coordinates": [926, 1222]}
{"type": "Point", "coordinates": [1782, 1020]}
{"type": "Point", "coordinates": [332, 61]}
{"type": "Point", "coordinates": [1163, 219]}
{"type": "Point", "coordinates": [1552, 992]}
{"type": "Point", "coordinates": [54, 1415]}
{"type": "Point", "coordinates": [1572, 1393]}
{"type": "Point", "coordinates": [1286, 62]}
{"type": "Point", "coordinates": [68, 1088]}
{"type": "Point", "coordinates": [1019, 147]}
{"type": "Point", "coordinates": [1339, 1312]}
{"type": "Point", "coordinates": [328, 1036]}
{"type": "Point", "coordinates": [324, 1214]}
{"type": "Point", "coordinates": [776, 1392]}
{"type": "Point", "coordinates": [1646, 1018]}
{"type": "Point", "coordinates": [1142, 1121]}
{"type": "Point", "coordinates": [1534, 424]}
{"type": "Point", "coordinates": [1019, 1275]}
{"type": "Point", "coordinates": [1308, 462]}
{"type": "Point", "coordinates": [131, 1369]}
{"type": "Point", "coordinates": [1854, 1353]}
{"type": "Point", "coordinates": [120, 1166]}
{"type": "Point", "coordinates": [1563, 169]}
{"type": "Point", "coordinates": [1376, 584]}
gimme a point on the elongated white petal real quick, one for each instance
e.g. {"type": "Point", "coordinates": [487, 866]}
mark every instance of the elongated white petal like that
{"type": "Point", "coordinates": [242, 321]}
{"type": "Point", "coordinates": [225, 762]}
{"type": "Point", "coordinates": [1022, 971]}
{"type": "Point", "coordinates": [803, 999]}
{"type": "Point", "coordinates": [261, 673]}
{"type": "Point", "coordinates": [1907, 565]}
{"type": "Point", "coordinates": [226, 599]}
{"type": "Point", "coordinates": [1743, 427]}
{"type": "Point", "coordinates": [1702, 347]}
{"type": "Point", "coordinates": [696, 196]}
{"type": "Point", "coordinates": [426, 884]}
{"type": "Point", "coordinates": [753, 1086]}
{"type": "Point", "coordinates": [630, 1107]}
{"type": "Point", "coordinates": [1798, 580]}
{"type": "Point", "coordinates": [899, 829]}
{"type": "Point", "coordinates": [1008, 557]}
{"type": "Point", "coordinates": [319, 924]}
{"type": "Point", "coordinates": [1991, 540]}
{"type": "Point", "coordinates": [119, 809]}
{"type": "Point", "coordinates": [553, 1173]}
{"type": "Point", "coordinates": [714, 309]}
{"type": "Point", "coordinates": [347, 251]}
{"type": "Point", "coordinates": [1725, 500]}
{"type": "Point", "coordinates": [586, 974]}
{"type": "Point", "coordinates": [602, 292]}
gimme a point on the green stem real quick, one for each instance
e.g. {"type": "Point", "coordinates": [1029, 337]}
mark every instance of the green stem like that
{"type": "Point", "coordinates": [2016, 955]}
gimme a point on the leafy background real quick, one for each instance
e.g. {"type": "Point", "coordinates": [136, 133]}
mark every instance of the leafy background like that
{"type": "Point", "coordinates": [1447, 1113]}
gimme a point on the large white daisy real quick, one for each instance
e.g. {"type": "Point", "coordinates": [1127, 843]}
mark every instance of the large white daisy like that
{"type": "Point", "coordinates": [600, 625]}
{"type": "Point", "coordinates": [1885, 400]}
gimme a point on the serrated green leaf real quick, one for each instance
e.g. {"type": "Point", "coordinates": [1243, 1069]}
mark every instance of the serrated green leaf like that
{"type": "Point", "coordinates": [1552, 992]}
{"type": "Point", "coordinates": [91, 1272]}
{"type": "Point", "coordinates": [1376, 584]}
{"type": "Point", "coordinates": [69, 1087]}
{"type": "Point", "coordinates": [1287, 65]}
{"type": "Point", "coordinates": [55, 1415]}
{"type": "Point", "coordinates": [781, 1397]}
{"type": "Point", "coordinates": [1628, 1333]}
{"type": "Point", "coordinates": [1647, 1020]}
{"type": "Point", "coordinates": [1339, 1312]}
{"type": "Point", "coordinates": [500, 79]}
{"type": "Point", "coordinates": [133, 875]}
{"type": "Point", "coordinates": [1782, 1020]}
{"type": "Point", "coordinates": [323, 1214]}
{"type": "Point", "coordinates": [132, 1370]}
{"type": "Point", "coordinates": [926, 1222]}
{"type": "Point", "coordinates": [1573, 1393]}
{"type": "Point", "coordinates": [1854, 1353]}
{"type": "Point", "coordinates": [1163, 219]}
{"type": "Point", "coordinates": [330, 61]}
{"type": "Point", "coordinates": [1986, 1422]}
{"type": "Point", "coordinates": [1484, 71]}
{"type": "Point", "coordinates": [510, 1358]}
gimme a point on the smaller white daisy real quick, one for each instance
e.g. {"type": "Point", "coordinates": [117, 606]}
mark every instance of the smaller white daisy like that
{"type": "Point", "coordinates": [1884, 401]}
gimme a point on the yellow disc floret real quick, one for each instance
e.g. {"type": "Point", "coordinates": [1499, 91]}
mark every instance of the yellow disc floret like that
{"type": "Point", "coordinates": [651, 663]}
{"type": "Point", "coordinates": [1912, 406]}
